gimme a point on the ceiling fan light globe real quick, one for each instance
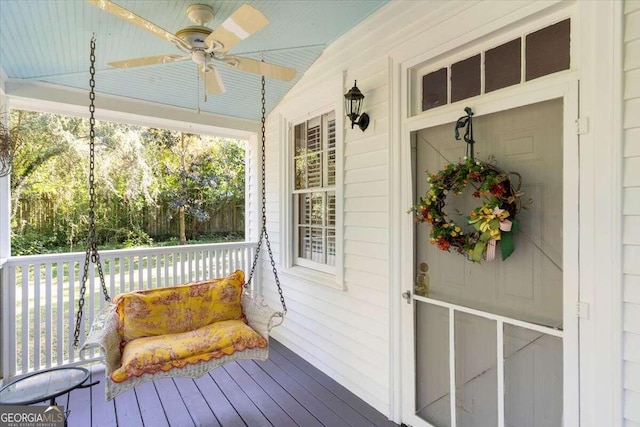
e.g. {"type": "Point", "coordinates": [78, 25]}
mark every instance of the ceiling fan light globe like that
{"type": "Point", "coordinates": [199, 57]}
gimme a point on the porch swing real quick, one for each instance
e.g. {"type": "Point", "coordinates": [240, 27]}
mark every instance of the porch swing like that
{"type": "Point", "coordinates": [181, 331]}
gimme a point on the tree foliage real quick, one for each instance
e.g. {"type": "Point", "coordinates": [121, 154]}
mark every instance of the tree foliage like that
{"type": "Point", "coordinates": [143, 177]}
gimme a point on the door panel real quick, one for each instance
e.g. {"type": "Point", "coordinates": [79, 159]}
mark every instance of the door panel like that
{"type": "Point", "coordinates": [476, 373]}
{"type": "Point", "coordinates": [528, 285]}
{"type": "Point", "coordinates": [433, 399]}
{"type": "Point", "coordinates": [532, 378]}
{"type": "Point", "coordinates": [502, 373]}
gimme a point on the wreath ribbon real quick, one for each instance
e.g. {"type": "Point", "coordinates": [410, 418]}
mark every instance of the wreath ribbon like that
{"type": "Point", "coordinates": [505, 226]}
{"type": "Point", "coordinates": [493, 226]}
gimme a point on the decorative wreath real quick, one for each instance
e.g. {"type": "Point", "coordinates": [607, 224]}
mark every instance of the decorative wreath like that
{"type": "Point", "coordinates": [494, 220]}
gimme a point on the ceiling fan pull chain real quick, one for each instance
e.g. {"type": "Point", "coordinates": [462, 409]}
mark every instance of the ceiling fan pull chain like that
{"type": "Point", "coordinates": [204, 70]}
{"type": "Point", "coordinates": [198, 91]}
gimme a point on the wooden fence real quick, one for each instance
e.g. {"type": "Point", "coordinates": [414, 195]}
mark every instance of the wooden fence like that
{"type": "Point", "coordinates": [46, 216]}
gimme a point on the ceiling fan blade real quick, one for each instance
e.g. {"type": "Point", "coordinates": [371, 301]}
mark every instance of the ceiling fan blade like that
{"type": "Point", "coordinates": [273, 71]}
{"type": "Point", "coordinates": [148, 60]}
{"type": "Point", "coordinates": [240, 25]}
{"type": "Point", "coordinates": [212, 81]}
{"type": "Point", "coordinates": [129, 16]}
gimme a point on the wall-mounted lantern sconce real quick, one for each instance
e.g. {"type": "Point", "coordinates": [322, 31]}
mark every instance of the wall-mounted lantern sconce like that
{"type": "Point", "coordinates": [352, 105]}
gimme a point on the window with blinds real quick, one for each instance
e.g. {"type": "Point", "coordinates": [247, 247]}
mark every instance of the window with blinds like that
{"type": "Point", "coordinates": [314, 196]}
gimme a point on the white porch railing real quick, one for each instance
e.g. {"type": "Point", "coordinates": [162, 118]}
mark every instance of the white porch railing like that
{"type": "Point", "coordinates": [40, 295]}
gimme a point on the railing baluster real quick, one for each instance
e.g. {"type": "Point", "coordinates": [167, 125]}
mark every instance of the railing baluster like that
{"type": "Point", "coordinates": [71, 298]}
{"type": "Point", "coordinates": [199, 265]}
{"type": "Point", "coordinates": [131, 265]}
{"type": "Point", "coordinates": [193, 260]}
{"type": "Point", "coordinates": [106, 266]}
{"type": "Point", "coordinates": [182, 272]}
{"type": "Point", "coordinates": [24, 339]}
{"type": "Point", "coordinates": [257, 286]}
{"type": "Point", "coordinates": [37, 325]}
{"type": "Point", "coordinates": [60, 314]}
{"type": "Point", "coordinates": [189, 257]}
{"type": "Point", "coordinates": [201, 270]}
{"type": "Point", "coordinates": [236, 258]}
{"type": "Point", "coordinates": [140, 268]}
{"type": "Point", "coordinates": [158, 259]}
{"type": "Point", "coordinates": [48, 314]}
{"type": "Point", "coordinates": [113, 263]}
{"type": "Point", "coordinates": [174, 266]}
{"type": "Point", "coordinates": [211, 254]}
{"type": "Point", "coordinates": [121, 263]}
{"type": "Point", "coordinates": [206, 265]}
{"type": "Point", "coordinates": [86, 321]}
{"type": "Point", "coordinates": [218, 263]}
{"type": "Point", "coordinates": [165, 259]}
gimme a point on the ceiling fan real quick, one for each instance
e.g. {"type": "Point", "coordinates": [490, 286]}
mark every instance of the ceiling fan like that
{"type": "Point", "coordinates": [204, 46]}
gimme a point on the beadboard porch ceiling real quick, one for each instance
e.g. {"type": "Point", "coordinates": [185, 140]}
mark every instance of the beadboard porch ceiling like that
{"type": "Point", "coordinates": [48, 41]}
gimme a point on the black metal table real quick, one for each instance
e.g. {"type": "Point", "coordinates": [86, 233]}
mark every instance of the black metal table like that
{"type": "Point", "coordinates": [44, 385]}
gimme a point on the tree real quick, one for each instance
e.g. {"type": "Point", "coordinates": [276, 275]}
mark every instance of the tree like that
{"type": "Point", "coordinates": [139, 173]}
{"type": "Point", "coordinates": [201, 176]}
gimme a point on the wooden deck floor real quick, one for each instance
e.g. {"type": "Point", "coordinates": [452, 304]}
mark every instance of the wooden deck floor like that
{"type": "Point", "coordinates": [283, 391]}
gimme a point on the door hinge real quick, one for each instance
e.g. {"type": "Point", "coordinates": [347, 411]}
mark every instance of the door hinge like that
{"type": "Point", "coordinates": [582, 125]}
{"type": "Point", "coordinates": [582, 310]}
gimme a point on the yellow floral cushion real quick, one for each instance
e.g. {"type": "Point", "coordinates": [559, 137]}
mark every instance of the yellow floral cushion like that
{"type": "Point", "coordinates": [178, 309]}
{"type": "Point", "coordinates": [162, 353]}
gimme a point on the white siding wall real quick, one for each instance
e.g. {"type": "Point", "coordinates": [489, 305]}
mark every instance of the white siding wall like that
{"type": "Point", "coordinates": [345, 333]}
{"type": "Point", "coordinates": [631, 212]}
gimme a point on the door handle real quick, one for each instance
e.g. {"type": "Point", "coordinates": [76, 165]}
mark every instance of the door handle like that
{"type": "Point", "coordinates": [407, 296]}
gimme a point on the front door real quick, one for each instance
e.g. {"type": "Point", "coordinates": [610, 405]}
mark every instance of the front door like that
{"type": "Point", "coordinates": [489, 338]}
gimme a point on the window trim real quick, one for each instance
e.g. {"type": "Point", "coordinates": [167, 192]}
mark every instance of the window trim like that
{"type": "Point", "coordinates": [311, 272]}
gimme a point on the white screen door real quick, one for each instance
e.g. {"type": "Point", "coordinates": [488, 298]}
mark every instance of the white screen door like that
{"type": "Point", "coordinates": [489, 338]}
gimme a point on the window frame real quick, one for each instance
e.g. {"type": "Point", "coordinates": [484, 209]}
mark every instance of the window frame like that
{"type": "Point", "coordinates": [305, 270]}
{"type": "Point", "coordinates": [325, 189]}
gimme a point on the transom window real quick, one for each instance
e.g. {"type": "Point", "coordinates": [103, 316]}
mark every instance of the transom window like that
{"type": "Point", "coordinates": [546, 51]}
{"type": "Point", "coordinates": [314, 194]}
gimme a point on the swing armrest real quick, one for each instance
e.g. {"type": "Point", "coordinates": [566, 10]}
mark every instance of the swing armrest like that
{"type": "Point", "coordinates": [259, 315]}
{"type": "Point", "coordinates": [104, 335]}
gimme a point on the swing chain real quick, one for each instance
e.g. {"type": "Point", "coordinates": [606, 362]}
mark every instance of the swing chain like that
{"type": "Point", "coordinates": [263, 233]}
{"type": "Point", "coordinates": [91, 255]}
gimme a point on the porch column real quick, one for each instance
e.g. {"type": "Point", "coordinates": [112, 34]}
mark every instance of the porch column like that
{"type": "Point", "coordinates": [5, 214]}
{"type": "Point", "coordinates": [5, 196]}
{"type": "Point", "coordinates": [5, 230]}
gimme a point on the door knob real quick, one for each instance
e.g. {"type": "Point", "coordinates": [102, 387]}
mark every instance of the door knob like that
{"type": "Point", "coordinates": [407, 296]}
